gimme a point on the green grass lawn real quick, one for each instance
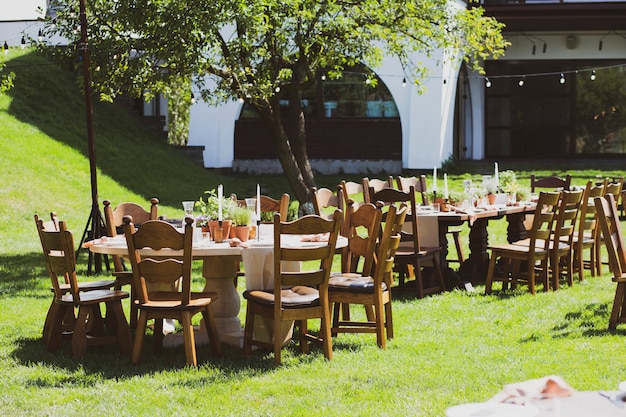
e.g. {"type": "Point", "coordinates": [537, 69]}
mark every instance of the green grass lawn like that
{"type": "Point", "coordinates": [448, 349]}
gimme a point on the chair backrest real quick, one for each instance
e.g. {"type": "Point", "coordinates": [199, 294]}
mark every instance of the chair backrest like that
{"type": "Point", "coordinates": [398, 197]}
{"type": "Point", "coordinates": [160, 272]}
{"type": "Point", "coordinates": [271, 205]}
{"type": "Point", "coordinates": [614, 186]}
{"type": "Point", "coordinates": [419, 183]}
{"type": "Point", "coordinates": [569, 209]}
{"type": "Point", "coordinates": [355, 191]}
{"type": "Point", "coordinates": [114, 218]}
{"type": "Point", "coordinates": [608, 218]}
{"type": "Point", "coordinates": [387, 246]}
{"type": "Point", "coordinates": [318, 278]}
{"type": "Point", "coordinates": [552, 182]}
{"type": "Point", "coordinates": [362, 228]}
{"type": "Point", "coordinates": [58, 251]}
{"type": "Point", "coordinates": [376, 184]}
{"type": "Point", "coordinates": [544, 220]}
{"type": "Point", "coordinates": [587, 220]}
{"type": "Point", "coordinates": [325, 199]}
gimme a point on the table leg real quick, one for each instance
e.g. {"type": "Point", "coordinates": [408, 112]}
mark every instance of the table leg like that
{"type": "Point", "coordinates": [516, 230]}
{"type": "Point", "coordinates": [219, 272]}
{"type": "Point", "coordinates": [474, 268]}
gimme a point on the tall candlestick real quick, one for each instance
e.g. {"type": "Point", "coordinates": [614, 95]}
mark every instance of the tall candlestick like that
{"type": "Point", "coordinates": [435, 179]}
{"type": "Point", "coordinates": [220, 193]}
{"type": "Point", "coordinates": [258, 202]}
{"type": "Point", "coordinates": [445, 186]}
{"type": "Point", "coordinates": [496, 174]}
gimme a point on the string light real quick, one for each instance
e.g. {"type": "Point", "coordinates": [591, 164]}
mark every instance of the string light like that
{"type": "Point", "coordinates": [593, 75]}
{"type": "Point", "coordinates": [562, 79]}
{"type": "Point", "coordinates": [193, 98]}
{"type": "Point", "coordinates": [40, 35]}
{"type": "Point", "coordinates": [23, 42]}
{"type": "Point", "coordinates": [404, 82]}
{"type": "Point", "coordinates": [487, 82]}
{"type": "Point", "coordinates": [522, 81]}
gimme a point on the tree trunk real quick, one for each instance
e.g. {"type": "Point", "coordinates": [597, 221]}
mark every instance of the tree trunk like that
{"type": "Point", "coordinates": [270, 114]}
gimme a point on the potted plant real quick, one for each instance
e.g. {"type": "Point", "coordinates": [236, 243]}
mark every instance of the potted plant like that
{"type": "Point", "coordinates": [241, 217]}
{"type": "Point", "coordinates": [209, 212]}
{"type": "Point", "coordinates": [491, 188]}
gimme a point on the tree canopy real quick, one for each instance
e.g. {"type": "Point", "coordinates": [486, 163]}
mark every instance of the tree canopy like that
{"type": "Point", "coordinates": [263, 50]}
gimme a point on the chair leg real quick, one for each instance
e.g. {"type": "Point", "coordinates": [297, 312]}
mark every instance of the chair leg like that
{"type": "Point", "coordinates": [303, 325]}
{"type": "Point", "coordinates": [389, 320]}
{"type": "Point", "coordinates": [122, 330]}
{"type": "Point", "coordinates": [55, 332]}
{"type": "Point", "coordinates": [419, 281]}
{"type": "Point", "coordinates": [379, 321]}
{"type": "Point", "coordinates": [139, 336]}
{"type": "Point", "coordinates": [336, 311]}
{"type": "Point", "coordinates": [211, 328]}
{"type": "Point", "coordinates": [457, 243]}
{"type": "Point", "coordinates": [618, 303]}
{"type": "Point", "coordinates": [327, 342]}
{"type": "Point", "coordinates": [189, 339]}
{"type": "Point", "coordinates": [248, 331]}
{"type": "Point", "coordinates": [79, 336]}
{"type": "Point", "coordinates": [490, 272]}
{"type": "Point", "coordinates": [157, 336]}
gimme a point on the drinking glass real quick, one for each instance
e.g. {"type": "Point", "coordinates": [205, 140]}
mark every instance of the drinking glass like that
{"type": "Point", "coordinates": [188, 207]}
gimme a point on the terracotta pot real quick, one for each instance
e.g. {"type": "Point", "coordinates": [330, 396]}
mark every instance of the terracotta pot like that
{"type": "Point", "coordinates": [215, 224]}
{"type": "Point", "coordinates": [241, 232]}
{"type": "Point", "coordinates": [491, 198]}
{"type": "Point", "coordinates": [443, 204]}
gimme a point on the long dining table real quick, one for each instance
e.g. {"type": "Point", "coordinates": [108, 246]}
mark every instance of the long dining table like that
{"type": "Point", "coordinates": [434, 227]}
{"type": "Point", "coordinates": [220, 266]}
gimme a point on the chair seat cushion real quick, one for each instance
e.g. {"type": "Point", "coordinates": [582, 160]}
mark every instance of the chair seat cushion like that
{"type": "Point", "coordinates": [294, 297]}
{"type": "Point", "coordinates": [172, 300]}
{"type": "Point", "coordinates": [352, 282]}
{"type": "Point", "coordinates": [95, 296]}
{"type": "Point", "coordinates": [89, 285]}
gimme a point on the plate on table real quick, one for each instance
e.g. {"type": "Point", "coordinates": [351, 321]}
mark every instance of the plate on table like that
{"type": "Point", "coordinates": [492, 409]}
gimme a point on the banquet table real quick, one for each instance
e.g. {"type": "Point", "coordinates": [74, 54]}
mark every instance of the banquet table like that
{"type": "Point", "coordinates": [220, 265]}
{"type": "Point", "coordinates": [433, 227]}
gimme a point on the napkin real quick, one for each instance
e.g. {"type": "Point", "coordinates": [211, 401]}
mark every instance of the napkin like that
{"type": "Point", "coordinates": [320, 237]}
{"type": "Point", "coordinates": [534, 389]}
{"type": "Point", "coordinates": [90, 243]}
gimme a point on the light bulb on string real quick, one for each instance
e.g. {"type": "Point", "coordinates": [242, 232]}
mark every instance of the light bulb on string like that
{"type": "Point", "coordinates": [23, 42]}
{"type": "Point", "coordinates": [593, 75]}
{"type": "Point", "coordinates": [562, 80]}
{"type": "Point", "coordinates": [6, 47]}
{"type": "Point", "coordinates": [323, 77]}
{"type": "Point", "coordinates": [522, 81]}
{"type": "Point", "coordinates": [193, 98]}
{"type": "Point", "coordinates": [404, 82]}
{"type": "Point", "coordinates": [40, 35]}
{"type": "Point", "coordinates": [487, 82]}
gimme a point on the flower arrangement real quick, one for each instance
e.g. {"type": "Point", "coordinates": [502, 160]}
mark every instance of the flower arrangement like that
{"type": "Point", "coordinates": [490, 185]}
{"type": "Point", "coordinates": [209, 207]}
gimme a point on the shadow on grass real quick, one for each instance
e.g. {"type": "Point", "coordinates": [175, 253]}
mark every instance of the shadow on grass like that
{"type": "Point", "coordinates": [107, 362]}
{"type": "Point", "coordinates": [24, 274]}
{"type": "Point", "coordinates": [593, 319]}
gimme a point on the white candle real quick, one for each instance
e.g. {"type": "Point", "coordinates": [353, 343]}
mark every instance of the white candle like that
{"type": "Point", "coordinates": [445, 186]}
{"type": "Point", "coordinates": [435, 179]}
{"type": "Point", "coordinates": [258, 202]}
{"type": "Point", "coordinates": [220, 193]}
{"type": "Point", "coordinates": [496, 174]}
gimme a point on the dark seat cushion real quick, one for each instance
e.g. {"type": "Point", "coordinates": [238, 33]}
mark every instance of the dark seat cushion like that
{"type": "Point", "coordinates": [294, 297]}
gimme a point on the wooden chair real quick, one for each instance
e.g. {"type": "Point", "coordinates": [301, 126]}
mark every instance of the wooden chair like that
{"type": "Point", "coordinates": [114, 224]}
{"type": "Point", "coordinates": [534, 249]}
{"type": "Point", "coordinates": [562, 245]}
{"type": "Point", "coordinates": [419, 183]}
{"type": "Point", "coordinates": [325, 200]}
{"type": "Point", "coordinates": [376, 184]}
{"type": "Point", "coordinates": [371, 290]}
{"type": "Point", "coordinates": [354, 191]}
{"type": "Point", "coordinates": [411, 255]}
{"type": "Point", "coordinates": [614, 187]}
{"type": "Point", "coordinates": [163, 285]}
{"type": "Point", "coordinates": [298, 296]}
{"type": "Point", "coordinates": [270, 205]}
{"type": "Point", "coordinates": [585, 235]}
{"type": "Point", "coordinates": [610, 226]}
{"type": "Point", "coordinates": [551, 182]}
{"type": "Point", "coordinates": [69, 295]}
